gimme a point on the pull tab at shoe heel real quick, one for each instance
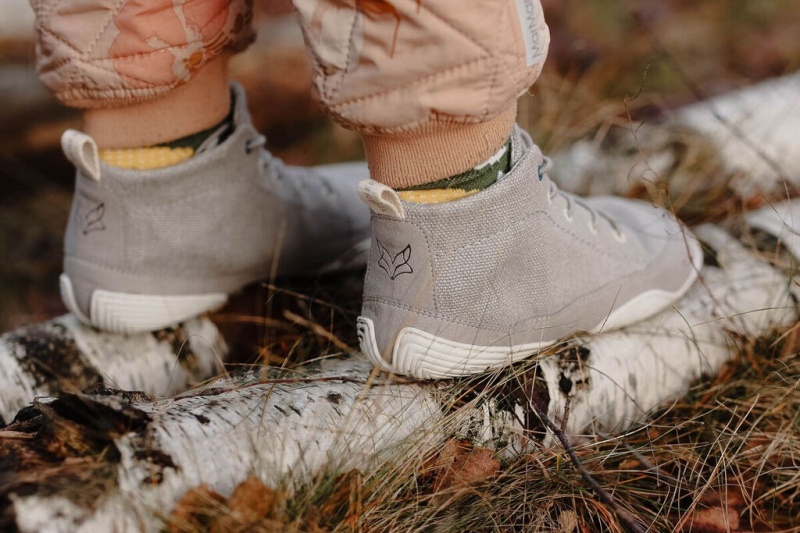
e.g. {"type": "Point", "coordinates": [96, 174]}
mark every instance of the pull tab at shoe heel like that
{"type": "Point", "coordinates": [381, 199]}
{"type": "Point", "coordinates": [82, 152]}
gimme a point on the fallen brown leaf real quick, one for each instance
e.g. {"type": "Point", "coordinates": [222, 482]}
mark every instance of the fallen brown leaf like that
{"type": "Point", "coordinates": [714, 520]}
{"type": "Point", "coordinates": [251, 502]}
{"type": "Point", "coordinates": [730, 497]}
{"type": "Point", "coordinates": [630, 464]}
{"type": "Point", "coordinates": [567, 522]}
{"type": "Point", "coordinates": [460, 464]}
{"type": "Point", "coordinates": [195, 510]}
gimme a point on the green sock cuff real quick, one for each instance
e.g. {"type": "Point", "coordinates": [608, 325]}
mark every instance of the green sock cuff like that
{"type": "Point", "coordinates": [196, 140]}
{"type": "Point", "coordinates": [474, 179]}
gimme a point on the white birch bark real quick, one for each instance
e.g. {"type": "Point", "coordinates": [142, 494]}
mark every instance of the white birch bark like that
{"type": "Point", "coordinates": [751, 133]}
{"type": "Point", "coordinates": [756, 132]}
{"type": "Point", "coordinates": [342, 415]}
{"type": "Point", "coordinates": [63, 354]}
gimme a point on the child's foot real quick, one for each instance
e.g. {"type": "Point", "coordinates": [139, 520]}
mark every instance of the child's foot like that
{"type": "Point", "coordinates": [146, 249]}
{"type": "Point", "coordinates": [461, 287]}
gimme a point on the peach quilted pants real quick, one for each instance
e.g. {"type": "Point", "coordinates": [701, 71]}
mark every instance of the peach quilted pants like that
{"type": "Point", "coordinates": [433, 81]}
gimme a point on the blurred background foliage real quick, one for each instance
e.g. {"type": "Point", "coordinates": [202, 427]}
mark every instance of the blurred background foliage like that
{"type": "Point", "coordinates": [608, 60]}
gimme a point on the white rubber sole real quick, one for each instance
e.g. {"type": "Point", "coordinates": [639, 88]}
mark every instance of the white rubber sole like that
{"type": "Point", "coordinates": [119, 312]}
{"type": "Point", "coordinates": [423, 355]}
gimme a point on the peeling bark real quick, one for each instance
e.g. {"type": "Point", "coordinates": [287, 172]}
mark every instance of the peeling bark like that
{"type": "Point", "coordinates": [65, 355]}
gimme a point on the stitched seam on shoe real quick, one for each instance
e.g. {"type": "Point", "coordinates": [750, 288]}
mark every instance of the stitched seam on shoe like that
{"type": "Point", "coordinates": [592, 246]}
{"type": "Point", "coordinates": [428, 314]}
{"type": "Point", "coordinates": [526, 219]}
{"type": "Point", "coordinates": [435, 295]}
{"type": "Point", "coordinates": [583, 298]}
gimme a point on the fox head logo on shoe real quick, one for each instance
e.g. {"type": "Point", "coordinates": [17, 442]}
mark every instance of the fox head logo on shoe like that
{"type": "Point", "coordinates": [90, 214]}
{"type": "Point", "coordinates": [394, 265]}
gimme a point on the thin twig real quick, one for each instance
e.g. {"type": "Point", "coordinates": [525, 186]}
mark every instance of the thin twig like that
{"type": "Point", "coordinates": [623, 514]}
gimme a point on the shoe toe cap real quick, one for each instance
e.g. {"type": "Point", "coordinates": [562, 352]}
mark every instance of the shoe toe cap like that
{"type": "Point", "coordinates": [662, 238]}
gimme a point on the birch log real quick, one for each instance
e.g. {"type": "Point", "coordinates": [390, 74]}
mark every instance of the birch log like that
{"type": "Point", "coordinates": [65, 355]}
{"type": "Point", "coordinates": [749, 137]}
{"type": "Point", "coordinates": [338, 415]}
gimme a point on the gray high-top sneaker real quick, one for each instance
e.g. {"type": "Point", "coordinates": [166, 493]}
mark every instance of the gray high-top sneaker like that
{"type": "Point", "coordinates": [148, 249]}
{"type": "Point", "coordinates": [462, 287]}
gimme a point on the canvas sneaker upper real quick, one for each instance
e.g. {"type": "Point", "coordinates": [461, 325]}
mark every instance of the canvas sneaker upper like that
{"type": "Point", "coordinates": [464, 286]}
{"type": "Point", "coordinates": [147, 249]}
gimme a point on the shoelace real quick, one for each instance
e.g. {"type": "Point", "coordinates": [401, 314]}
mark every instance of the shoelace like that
{"type": "Point", "coordinates": [274, 167]}
{"type": "Point", "coordinates": [571, 201]}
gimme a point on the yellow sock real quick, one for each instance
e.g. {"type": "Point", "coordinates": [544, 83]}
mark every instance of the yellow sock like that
{"type": "Point", "coordinates": [434, 196]}
{"type": "Point", "coordinates": [146, 158]}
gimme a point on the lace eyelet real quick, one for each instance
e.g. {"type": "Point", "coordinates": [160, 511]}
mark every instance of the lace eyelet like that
{"type": "Point", "coordinates": [568, 215]}
{"type": "Point", "coordinates": [592, 228]}
{"type": "Point", "coordinates": [620, 237]}
{"type": "Point", "coordinates": [248, 146]}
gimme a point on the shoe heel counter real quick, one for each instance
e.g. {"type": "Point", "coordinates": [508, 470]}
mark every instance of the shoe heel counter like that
{"type": "Point", "coordinates": [399, 269]}
{"type": "Point", "coordinates": [94, 230]}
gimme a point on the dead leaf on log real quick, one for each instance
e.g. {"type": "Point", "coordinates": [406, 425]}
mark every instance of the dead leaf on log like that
{"type": "Point", "coordinates": [250, 503]}
{"type": "Point", "coordinates": [195, 511]}
{"type": "Point", "coordinates": [202, 509]}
